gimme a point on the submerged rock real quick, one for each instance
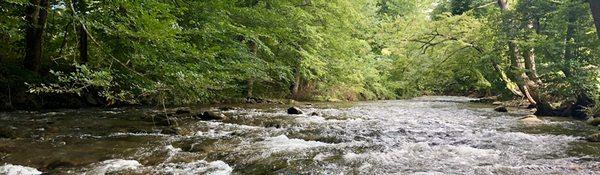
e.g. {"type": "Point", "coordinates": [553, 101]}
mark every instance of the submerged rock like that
{"type": "Point", "coordinates": [501, 109]}
{"type": "Point", "coordinates": [209, 115]}
{"type": "Point", "coordinates": [315, 114]}
{"type": "Point", "coordinates": [294, 110]}
{"type": "Point", "coordinates": [531, 119]}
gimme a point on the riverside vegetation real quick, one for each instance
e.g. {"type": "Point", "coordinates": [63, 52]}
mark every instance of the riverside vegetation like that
{"type": "Point", "coordinates": [125, 67]}
{"type": "Point", "coordinates": [77, 53]}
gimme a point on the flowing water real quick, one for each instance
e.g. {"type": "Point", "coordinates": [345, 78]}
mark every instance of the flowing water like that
{"type": "Point", "coordinates": [427, 135]}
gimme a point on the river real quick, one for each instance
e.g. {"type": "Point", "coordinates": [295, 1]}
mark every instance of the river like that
{"type": "Point", "coordinates": [426, 135]}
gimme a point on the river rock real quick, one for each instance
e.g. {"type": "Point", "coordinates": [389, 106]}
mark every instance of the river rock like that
{"type": "Point", "coordinates": [501, 109]}
{"type": "Point", "coordinates": [531, 119]}
{"type": "Point", "coordinates": [594, 121]}
{"type": "Point", "coordinates": [161, 119]}
{"type": "Point", "coordinates": [169, 112]}
{"type": "Point", "coordinates": [182, 110]}
{"type": "Point", "coordinates": [315, 114]}
{"type": "Point", "coordinates": [294, 110]}
{"type": "Point", "coordinates": [209, 115]}
{"type": "Point", "coordinates": [254, 100]}
{"type": "Point", "coordinates": [176, 131]}
{"type": "Point", "coordinates": [594, 137]}
{"type": "Point", "coordinates": [497, 103]}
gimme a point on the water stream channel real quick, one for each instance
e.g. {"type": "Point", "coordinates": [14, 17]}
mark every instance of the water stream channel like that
{"type": "Point", "coordinates": [426, 135]}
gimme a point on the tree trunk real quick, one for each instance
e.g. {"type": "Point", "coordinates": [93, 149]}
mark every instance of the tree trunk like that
{"type": "Point", "coordinates": [36, 16]}
{"type": "Point", "coordinates": [517, 71]}
{"type": "Point", "coordinates": [503, 5]}
{"type": "Point", "coordinates": [509, 84]}
{"type": "Point", "coordinates": [249, 91]}
{"type": "Point", "coordinates": [583, 100]}
{"type": "Point", "coordinates": [531, 67]}
{"type": "Point", "coordinates": [530, 55]}
{"type": "Point", "coordinates": [296, 85]}
{"type": "Point", "coordinates": [595, 7]}
{"type": "Point", "coordinates": [253, 47]}
{"type": "Point", "coordinates": [569, 52]}
{"type": "Point", "coordinates": [83, 43]}
{"type": "Point", "coordinates": [518, 63]}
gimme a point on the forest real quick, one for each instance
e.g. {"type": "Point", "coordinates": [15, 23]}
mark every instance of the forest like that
{"type": "Point", "coordinates": [219, 87]}
{"type": "Point", "coordinates": [82, 53]}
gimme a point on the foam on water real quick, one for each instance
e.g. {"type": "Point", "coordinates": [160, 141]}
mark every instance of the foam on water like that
{"type": "Point", "coordinates": [428, 135]}
{"type": "Point", "coordinates": [283, 143]}
{"type": "Point", "coordinates": [114, 165]}
{"type": "Point", "coordinates": [197, 167]}
{"type": "Point", "coordinates": [9, 169]}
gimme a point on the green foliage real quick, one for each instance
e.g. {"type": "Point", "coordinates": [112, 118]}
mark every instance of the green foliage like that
{"type": "Point", "coordinates": [185, 52]}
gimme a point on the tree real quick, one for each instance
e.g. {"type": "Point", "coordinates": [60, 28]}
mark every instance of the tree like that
{"type": "Point", "coordinates": [83, 44]}
{"type": "Point", "coordinates": [36, 16]}
{"type": "Point", "coordinates": [595, 8]}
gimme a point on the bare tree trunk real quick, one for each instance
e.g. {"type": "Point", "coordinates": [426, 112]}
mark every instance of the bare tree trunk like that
{"type": "Point", "coordinates": [83, 43]}
{"type": "Point", "coordinates": [595, 7]}
{"type": "Point", "coordinates": [36, 16]}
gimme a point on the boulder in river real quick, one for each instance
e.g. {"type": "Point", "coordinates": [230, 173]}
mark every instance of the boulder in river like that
{"type": "Point", "coordinates": [531, 119]}
{"type": "Point", "coordinates": [209, 115]}
{"type": "Point", "coordinates": [501, 109]}
{"type": "Point", "coordinates": [294, 110]}
{"type": "Point", "coordinates": [315, 114]}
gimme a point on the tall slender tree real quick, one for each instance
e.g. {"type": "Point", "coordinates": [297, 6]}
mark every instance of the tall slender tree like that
{"type": "Point", "coordinates": [595, 7]}
{"type": "Point", "coordinates": [36, 17]}
{"type": "Point", "coordinates": [82, 35]}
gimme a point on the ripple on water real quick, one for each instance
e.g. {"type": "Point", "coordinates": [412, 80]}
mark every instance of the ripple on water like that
{"type": "Point", "coordinates": [428, 135]}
